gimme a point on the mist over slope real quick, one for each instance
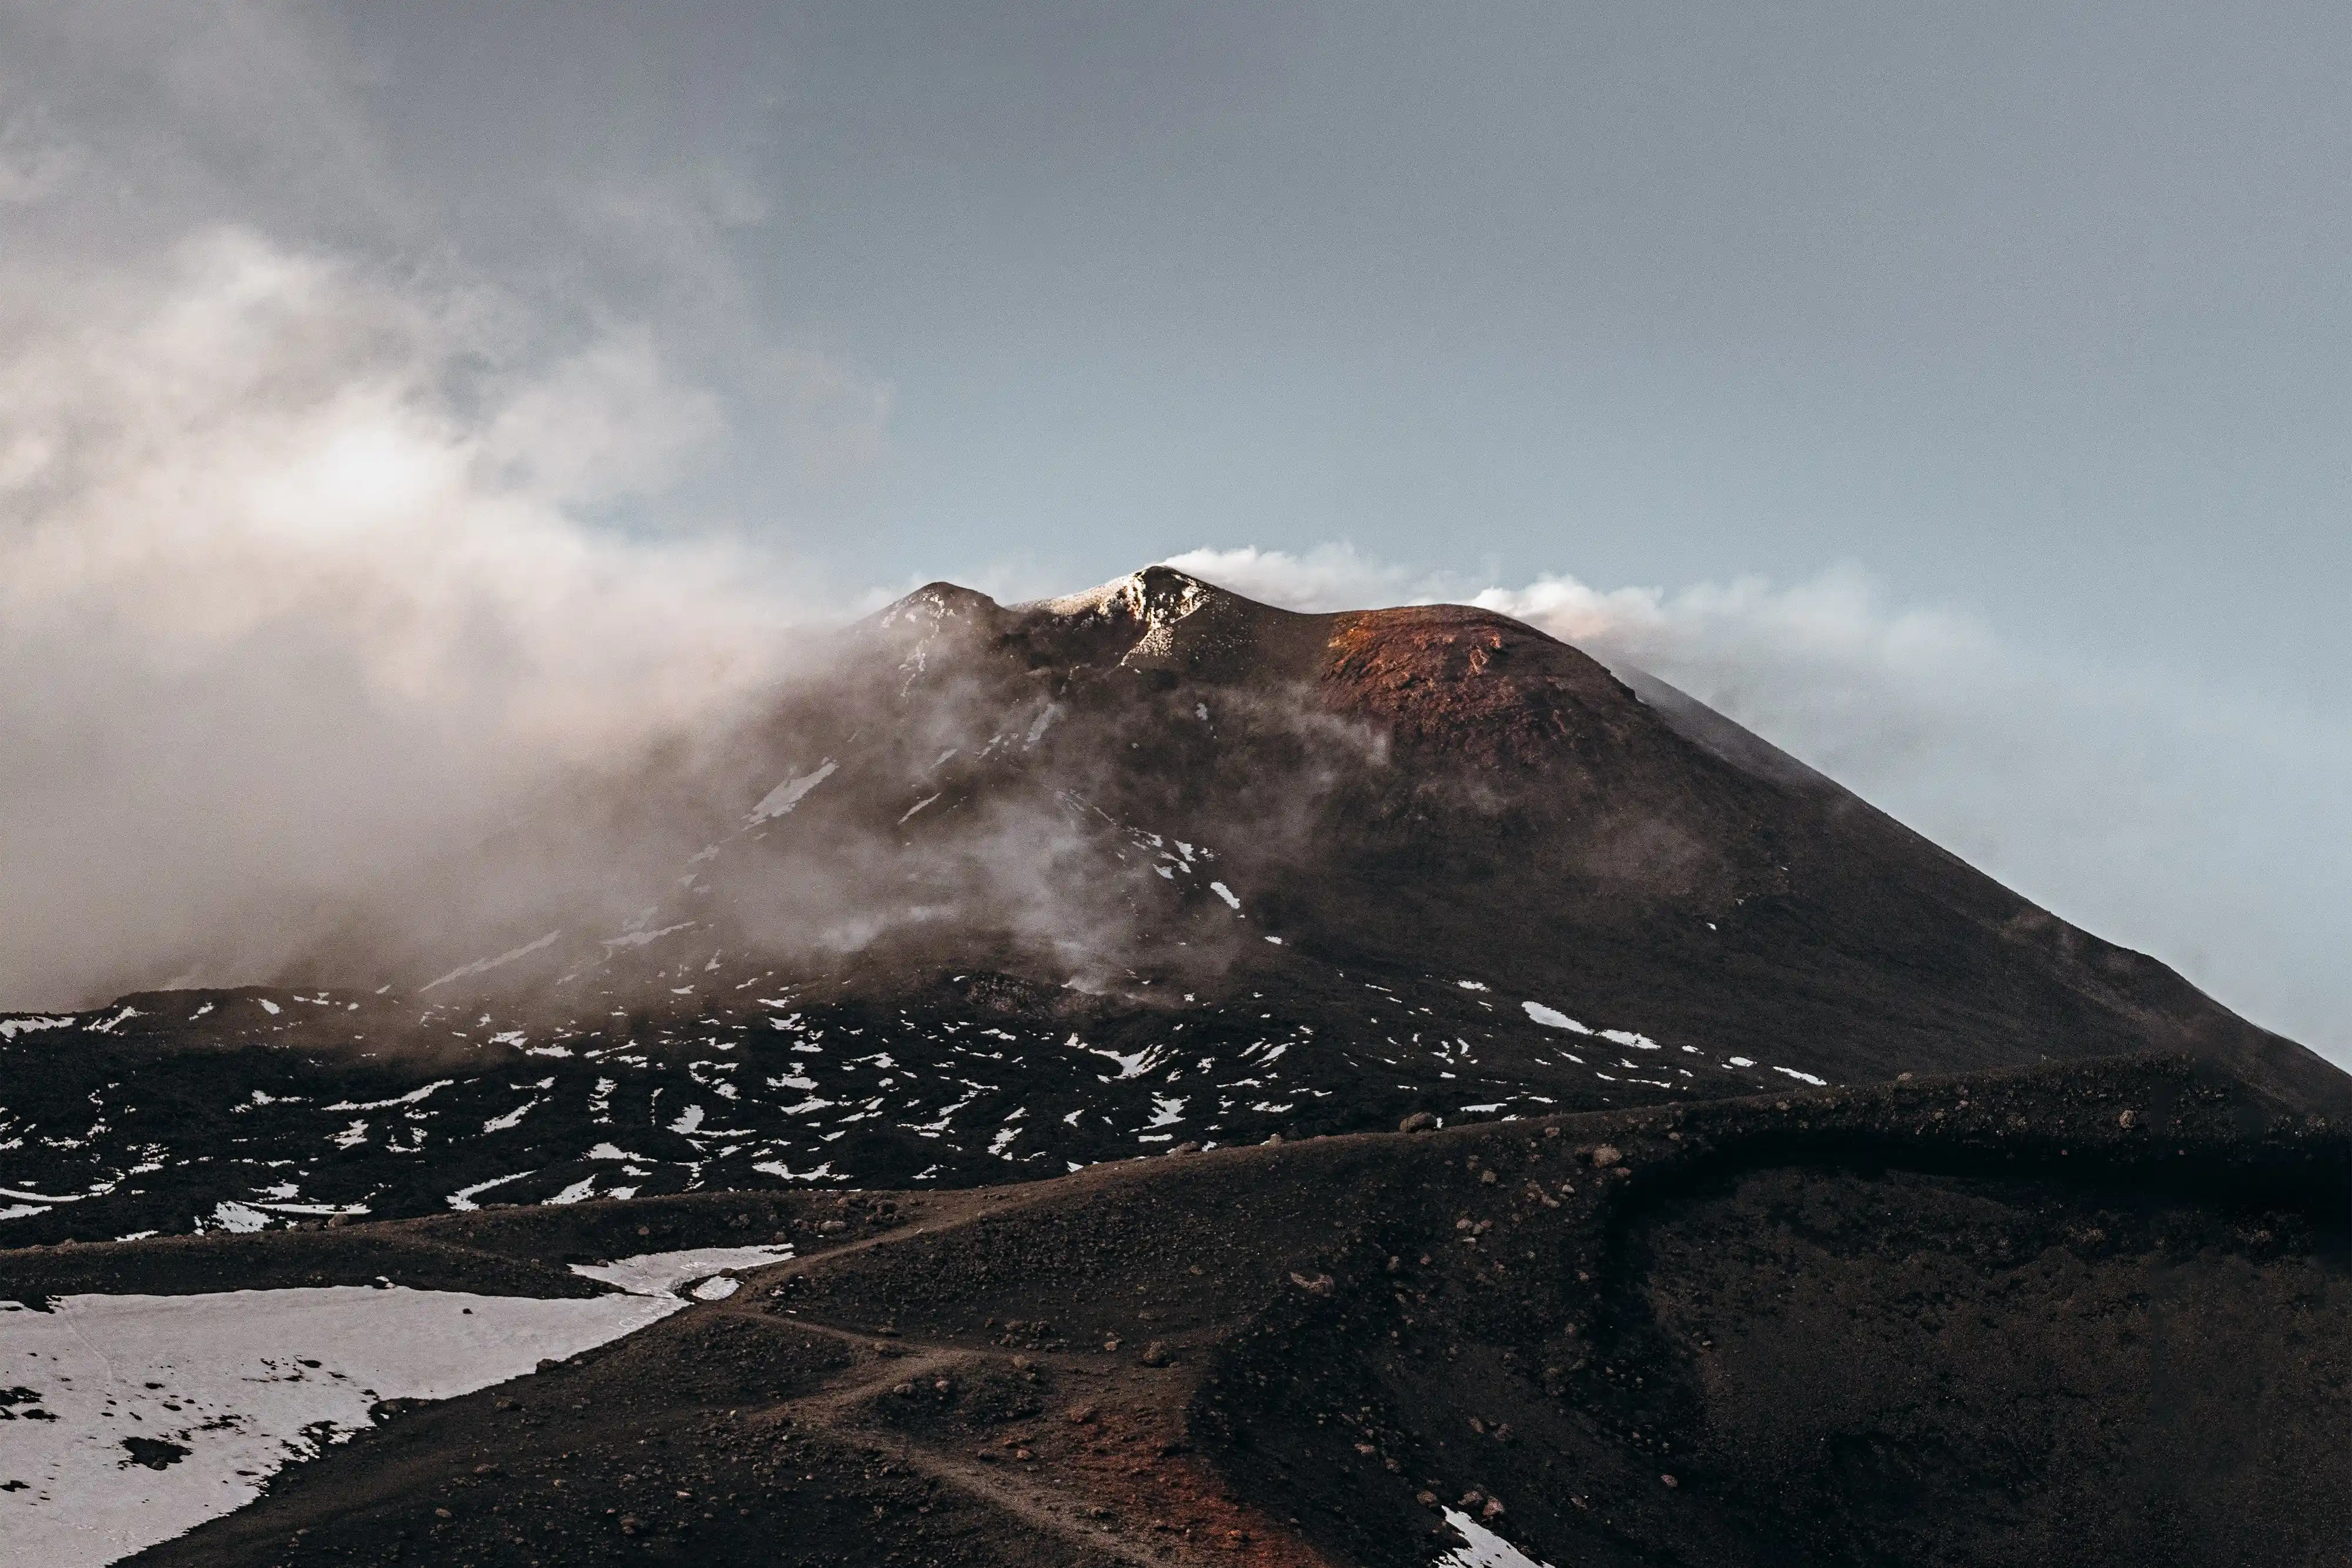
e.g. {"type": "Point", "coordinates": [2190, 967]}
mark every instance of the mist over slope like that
{"type": "Point", "coordinates": [989, 893]}
{"type": "Point", "coordinates": [1438, 790]}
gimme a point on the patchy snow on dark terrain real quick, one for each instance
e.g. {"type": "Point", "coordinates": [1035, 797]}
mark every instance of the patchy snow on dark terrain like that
{"type": "Point", "coordinates": [289, 1115]}
{"type": "Point", "coordinates": [1005, 996]}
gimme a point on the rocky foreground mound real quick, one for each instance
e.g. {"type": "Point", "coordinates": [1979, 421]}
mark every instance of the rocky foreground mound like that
{"type": "Point", "coordinates": [2082, 1314]}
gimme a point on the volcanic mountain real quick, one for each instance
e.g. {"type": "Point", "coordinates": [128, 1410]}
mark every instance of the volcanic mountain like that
{"type": "Point", "coordinates": [993, 892]}
{"type": "Point", "coordinates": [1237, 1085]}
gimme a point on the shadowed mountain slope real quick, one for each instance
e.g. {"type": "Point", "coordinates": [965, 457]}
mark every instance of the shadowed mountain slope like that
{"type": "Point", "coordinates": [1431, 791]}
{"type": "Point", "coordinates": [989, 893]}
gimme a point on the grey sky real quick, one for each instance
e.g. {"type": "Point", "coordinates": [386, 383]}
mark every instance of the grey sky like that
{"type": "Point", "coordinates": [2034, 314]}
{"type": "Point", "coordinates": [2037, 307]}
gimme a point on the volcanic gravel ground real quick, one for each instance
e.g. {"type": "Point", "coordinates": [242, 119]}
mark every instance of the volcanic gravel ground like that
{"type": "Point", "coordinates": [2084, 1314]}
{"type": "Point", "coordinates": [253, 1109]}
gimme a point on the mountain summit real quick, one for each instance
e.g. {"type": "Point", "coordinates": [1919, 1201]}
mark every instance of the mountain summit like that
{"type": "Point", "coordinates": [1442, 792]}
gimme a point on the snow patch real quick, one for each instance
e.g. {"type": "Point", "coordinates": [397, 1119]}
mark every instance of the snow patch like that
{"type": "Point", "coordinates": [511, 1119]}
{"type": "Point", "coordinates": [662, 1274]}
{"type": "Point", "coordinates": [639, 938]}
{"type": "Point", "coordinates": [1482, 1547]}
{"type": "Point", "coordinates": [1133, 1065]}
{"type": "Point", "coordinates": [413, 1097]}
{"type": "Point", "coordinates": [229, 1215]}
{"type": "Point", "coordinates": [463, 1198]}
{"type": "Point", "coordinates": [242, 1381]}
{"type": "Point", "coordinates": [484, 965]}
{"type": "Point", "coordinates": [781, 799]}
{"type": "Point", "coordinates": [784, 1172]}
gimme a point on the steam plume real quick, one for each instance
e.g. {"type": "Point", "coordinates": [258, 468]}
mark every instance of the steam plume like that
{"type": "Point", "coordinates": [303, 573]}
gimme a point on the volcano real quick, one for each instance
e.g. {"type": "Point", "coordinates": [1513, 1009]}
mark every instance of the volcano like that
{"type": "Point", "coordinates": [1218, 1084]}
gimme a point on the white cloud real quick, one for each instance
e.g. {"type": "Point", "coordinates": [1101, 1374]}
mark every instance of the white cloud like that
{"type": "Point", "coordinates": [279, 612]}
{"type": "Point", "coordinates": [608, 422]}
{"type": "Point", "coordinates": [2210, 827]}
{"type": "Point", "coordinates": [301, 575]}
{"type": "Point", "coordinates": [1328, 577]}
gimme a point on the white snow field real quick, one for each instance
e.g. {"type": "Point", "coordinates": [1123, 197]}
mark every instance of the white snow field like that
{"type": "Point", "coordinates": [126, 1420]}
{"type": "Point", "coordinates": [139, 1417]}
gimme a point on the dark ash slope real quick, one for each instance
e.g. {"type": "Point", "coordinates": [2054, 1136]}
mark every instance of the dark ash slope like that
{"type": "Point", "coordinates": [1002, 891]}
